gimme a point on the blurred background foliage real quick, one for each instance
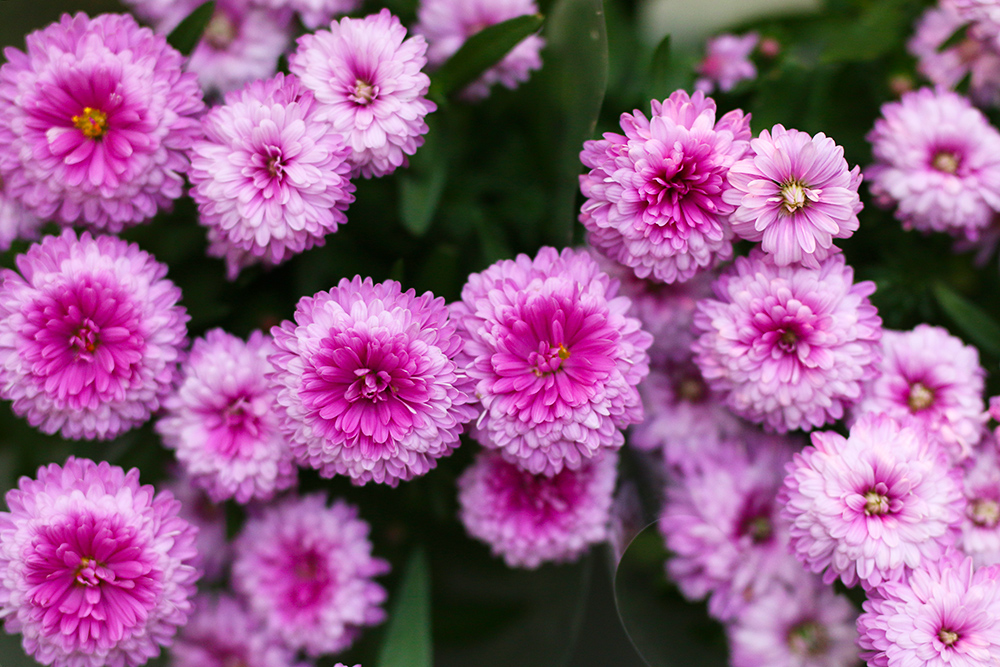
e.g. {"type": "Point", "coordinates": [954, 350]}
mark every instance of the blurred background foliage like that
{"type": "Point", "coordinates": [498, 178]}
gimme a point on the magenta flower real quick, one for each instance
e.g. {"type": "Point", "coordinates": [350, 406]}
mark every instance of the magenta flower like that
{"type": "Point", "coordinates": [788, 346]}
{"type": "Point", "coordinates": [932, 376]}
{"type": "Point", "coordinates": [90, 335]}
{"type": "Point", "coordinates": [368, 382]}
{"type": "Point", "coordinates": [794, 194]}
{"type": "Point", "coordinates": [946, 614]}
{"type": "Point", "coordinates": [95, 118]}
{"type": "Point", "coordinates": [654, 195]}
{"type": "Point", "coordinates": [555, 357]}
{"type": "Point", "coordinates": [446, 24]}
{"type": "Point", "coordinates": [314, 13]}
{"type": "Point", "coordinates": [305, 570]}
{"type": "Point", "coordinates": [533, 519]}
{"type": "Point", "coordinates": [95, 570]}
{"type": "Point", "coordinates": [726, 62]}
{"type": "Point", "coordinates": [15, 221]}
{"type": "Point", "coordinates": [937, 159]}
{"type": "Point", "coordinates": [985, 15]}
{"type": "Point", "coordinates": [270, 178]}
{"type": "Point", "coordinates": [874, 506]}
{"type": "Point", "coordinates": [370, 86]}
{"type": "Point", "coordinates": [980, 536]}
{"type": "Point", "coordinates": [222, 421]}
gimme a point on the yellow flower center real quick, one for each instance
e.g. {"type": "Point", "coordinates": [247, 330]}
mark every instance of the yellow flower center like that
{"type": "Point", "coordinates": [920, 397]}
{"type": "Point", "coordinates": [947, 637]}
{"type": "Point", "coordinates": [984, 512]}
{"type": "Point", "coordinates": [794, 195]}
{"type": "Point", "coordinates": [220, 32]}
{"type": "Point", "coordinates": [364, 92]}
{"type": "Point", "coordinates": [945, 161]}
{"type": "Point", "coordinates": [92, 122]}
{"type": "Point", "coordinates": [876, 504]}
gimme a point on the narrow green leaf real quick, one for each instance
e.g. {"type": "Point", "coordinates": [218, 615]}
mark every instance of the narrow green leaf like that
{"type": "Point", "coordinates": [970, 318]}
{"type": "Point", "coordinates": [419, 197]}
{"type": "Point", "coordinates": [187, 34]}
{"type": "Point", "coordinates": [955, 39]}
{"type": "Point", "coordinates": [480, 52]}
{"type": "Point", "coordinates": [408, 637]}
{"type": "Point", "coordinates": [659, 67]}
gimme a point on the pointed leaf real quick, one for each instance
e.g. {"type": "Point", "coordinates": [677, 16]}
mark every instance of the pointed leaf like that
{"type": "Point", "coordinates": [970, 318]}
{"type": "Point", "coordinates": [189, 32]}
{"type": "Point", "coordinates": [407, 640]}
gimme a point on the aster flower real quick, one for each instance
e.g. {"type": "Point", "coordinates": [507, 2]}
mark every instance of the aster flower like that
{"type": "Point", "coordinates": [985, 14]}
{"type": "Point", "coordinates": [95, 570]}
{"type": "Point", "coordinates": [946, 613]}
{"type": "Point", "coordinates": [802, 624]}
{"type": "Point", "coordinates": [314, 13]}
{"type": "Point", "coordinates": [932, 376]}
{"type": "Point", "coordinates": [654, 194]}
{"type": "Point", "coordinates": [222, 421]}
{"type": "Point", "coordinates": [980, 536]}
{"type": "Point", "coordinates": [95, 118]}
{"type": "Point", "coordinates": [555, 358]}
{"type": "Point", "coordinates": [90, 335]}
{"type": "Point", "coordinates": [937, 159]}
{"type": "Point", "coordinates": [212, 544]}
{"type": "Point", "coordinates": [794, 194]}
{"type": "Point", "coordinates": [726, 62]}
{"type": "Point", "coordinates": [270, 178]}
{"type": "Point", "coordinates": [788, 346]}
{"type": "Point", "coordinates": [305, 570]}
{"type": "Point", "coordinates": [15, 221]}
{"type": "Point", "coordinates": [369, 83]}
{"type": "Point", "coordinates": [368, 382]}
{"type": "Point", "coordinates": [533, 519]}
{"type": "Point", "coordinates": [448, 23]}
{"type": "Point", "coordinates": [873, 506]}
{"type": "Point", "coordinates": [221, 633]}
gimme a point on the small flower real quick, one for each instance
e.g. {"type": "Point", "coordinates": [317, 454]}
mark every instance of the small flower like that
{"type": "Point", "coordinates": [90, 335]}
{"type": "Point", "coordinates": [448, 23]}
{"type": "Point", "coordinates": [368, 382]}
{"type": "Point", "coordinates": [222, 421]}
{"type": "Point", "coordinates": [370, 86]}
{"type": "Point", "coordinates": [95, 570]}
{"type": "Point", "coordinates": [533, 519]}
{"type": "Point", "coordinates": [788, 346]}
{"type": "Point", "coordinates": [874, 506]}
{"type": "Point", "coordinates": [555, 358]}
{"type": "Point", "coordinates": [95, 119]}
{"type": "Point", "coordinates": [726, 62]}
{"type": "Point", "coordinates": [980, 536]}
{"type": "Point", "coordinates": [654, 195]}
{"type": "Point", "coordinates": [270, 178]}
{"type": "Point", "coordinates": [305, 570]}
{"type": "Point", "coordinates": [938, 159]}
{"type": "Point", "coordinates": [314, 13]}
{"type": "Point", "coordinates": [794, 195]}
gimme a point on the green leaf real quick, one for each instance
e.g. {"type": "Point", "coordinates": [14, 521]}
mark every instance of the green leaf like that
{"type": "Point", "coordinates": [482, 51]}
{"type": "Point", "coordinates": [407, 640]}
{"type": "Point", "coordinates": [659, 68]}
{"type": "Point", "coordinates": [186, 35]}
{"type": "Point", "coordinates": [970, 318]}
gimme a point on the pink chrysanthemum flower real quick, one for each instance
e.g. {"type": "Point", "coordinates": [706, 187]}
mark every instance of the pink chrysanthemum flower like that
{"type": "Point", "coordinates": [654, 194]}
{"type": "Point", "coordinates": [533, 519]}
{"type": "Point", "coordinates": [794, 194]}
{"type": "Point", "coordinates": [314, 13]}
{"type": "Point", "coordinates": [221, 633]}
{"type": "Point", "coordinates": [947, 614]}
{"type": "Point", "coordinates": [15, 221]}
{"type": "Point", "coordinates": [306, 571]}
{"type": "Point", "coordinates": [720, 522]}
{"type": "Point", "coordinates": [369, 83]}
{"type": "Point", "coordinates": [933, 377]}
{"type": "Point", "coordinates": [938, 159]}
{"type": "Point", "coordinates": [873, 506]}
{"type": "Point", "coordinates": [222, 421]}
{"type": "Point", "coordinates": [212, 544]}
{"type": "Point", "coordinates": [270, 178]}
{"type": "Point", "coordinates": [555, 357]}
{"type": "Point", "coordinates": [985, 15]}
{"type": "Point", "coordinates": [788, 346]}
{"type": "Point", "coordinates": [95, 119]}
{"type": "Point", "coordinates": [980, 536]}
{"type": "Point", "coordinates": [90, 335]}
{"type": "Point", "coordinates": [95, 570]}
{"type": "Point", "coordinates": [368, 381]}
{"type": "Point", "coordinates": [448, 23]}
{"type": "Point", "coordinates": [726, 62]}
{"type": "Point", "coordinates": [801, 624]}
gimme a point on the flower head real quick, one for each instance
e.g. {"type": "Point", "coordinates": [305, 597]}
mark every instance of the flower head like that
{"type": "Point", "coordinates": [654, 194]}
{"type": "Point", "coordinates": [788, 346]}
{"type": "Point", "coordinates": [95, 118]}
{"type": "Point", "coordinates": [368, 382]}
{"type": "Point", "coordinates": [305, 570]}
{"type": "Point", "coordinates": [726, 62]}
{"type": "Point", "coordinates": [212, 544]}
{"type": "Point", "coordinates": [980, 536]}
{"type": "Point", "coordinates": [270, 178]}
{"type": "Point", "coordinates": [95, 569]}
{"type": "Point", "coordinates": [370, 86]}
{"type": "Point", "coordinates": [90, 335]}
{"type": "Point", "coordinates": [533, 519]}
{"type": "Point", "coordinates": [314, 13]}
{"type": "Point", "coordinates": [555, 357]}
